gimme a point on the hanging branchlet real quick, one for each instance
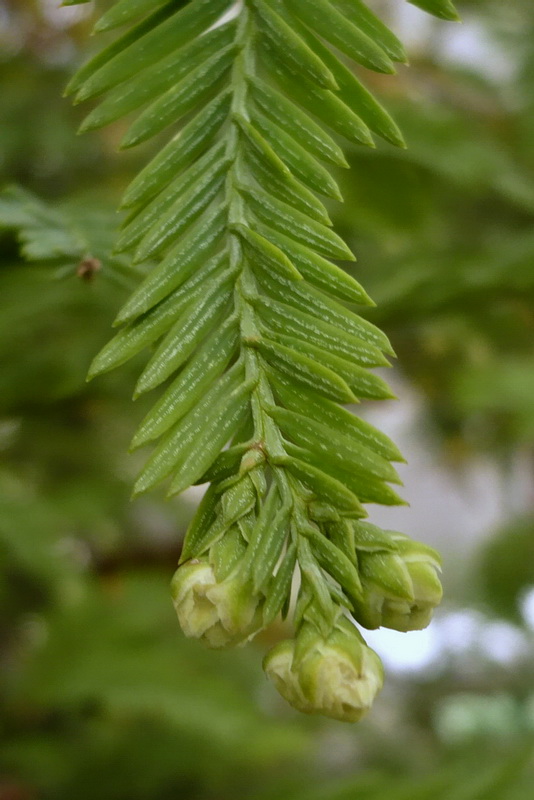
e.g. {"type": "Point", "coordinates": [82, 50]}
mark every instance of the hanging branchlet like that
{"type": "Point", "coordinates": [246, 318]}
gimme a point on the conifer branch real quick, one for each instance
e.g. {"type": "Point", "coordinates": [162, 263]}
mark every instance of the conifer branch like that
{"type": "Point", "coordinates": [248, 320]}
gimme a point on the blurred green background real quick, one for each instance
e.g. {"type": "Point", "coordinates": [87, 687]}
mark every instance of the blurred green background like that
{"type": "Point", "coordinates": [101, 697]}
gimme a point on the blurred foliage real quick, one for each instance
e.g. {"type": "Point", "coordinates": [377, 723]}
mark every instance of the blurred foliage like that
{"type": "Point", "coordinates": [100, 696]}
{"type": "Point", "coordinates": [453, 276]}
{"type": "Point", "coordinates": [507, 567]}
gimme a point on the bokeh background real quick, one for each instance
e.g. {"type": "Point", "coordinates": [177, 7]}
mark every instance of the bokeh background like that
{"type": "Point", "coordinates": [101, 697]}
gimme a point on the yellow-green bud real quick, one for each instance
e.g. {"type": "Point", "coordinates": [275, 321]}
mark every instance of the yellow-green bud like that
{"type": "Point", "coordinates": [220, 613]}
{"type": "Point", "coordinates": [338, 677]}
{"type": "Point", "coordinates": [400, 589]}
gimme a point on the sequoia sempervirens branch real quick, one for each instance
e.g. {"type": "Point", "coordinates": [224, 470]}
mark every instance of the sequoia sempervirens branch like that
{"type": "Point", "coordinates": [252, 329]}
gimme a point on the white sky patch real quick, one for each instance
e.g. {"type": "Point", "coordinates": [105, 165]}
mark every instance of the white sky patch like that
{"type": "Point", "coordinates": [470, 45]}
{"type": "Point", "coordinates": [469, 631]}
{"type": "Point", "coordinates": [467, 43]}
{"type": "Point", "coordinates": [457, 635]}
{"type": "Point", "coordinates": [503, 642]}
{"type": "Point", "coordinates": [527, 607]}
{"type": "Point", "coordinates": [460, 630]}
{"type": "Point", "coordinates": [406, 652]}
{"type": "Point", "coordinates": [63, 17]}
